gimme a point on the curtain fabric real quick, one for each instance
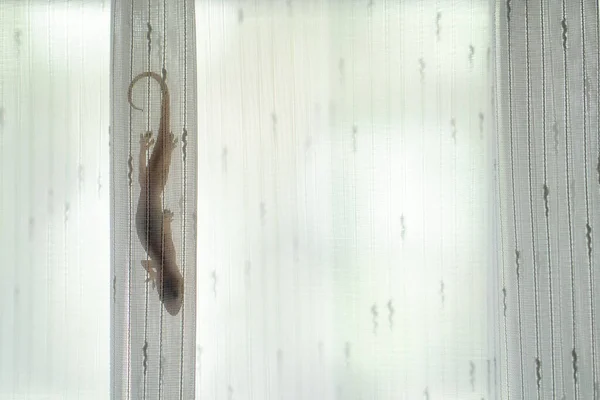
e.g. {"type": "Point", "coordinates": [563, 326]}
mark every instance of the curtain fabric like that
{"type": "Point", "coordinates": [153, 200]}
{"type": "Point", "coordinates": [548, 129]}
{"type": "Point", "coordinates": [345, 172]}
{"type": "Point", "coordinates": [54, 192]}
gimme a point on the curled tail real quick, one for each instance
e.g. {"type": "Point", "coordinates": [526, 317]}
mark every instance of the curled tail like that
{"type": "Point", "coordinates": [165, 114]}
{"type": "Point", "coordinates": [163, 87]}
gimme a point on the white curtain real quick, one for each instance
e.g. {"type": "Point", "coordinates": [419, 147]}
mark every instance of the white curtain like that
{"type": "Point", "coordinates": [372, 199]}
{"type": "Point", "coordinates": [54, 200]}
{"type": "Point", "coordinates": [153, 347]}
{"type": "Point", "coordinates": [345, 171]}
{"type": "Point", "coordinates": [548, 131]}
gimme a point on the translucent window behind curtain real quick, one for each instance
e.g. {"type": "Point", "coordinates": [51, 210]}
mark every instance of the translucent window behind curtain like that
{"type": "Point", "coordinates": [54, 188]}
{"type": "Point", "coordinates": [344, 185]}
{"type": "Point", "coordinates": [345, 171]}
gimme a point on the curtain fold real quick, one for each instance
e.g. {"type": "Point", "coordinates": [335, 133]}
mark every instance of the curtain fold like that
{"type": "Point", "coordinates": [346, 168]}
{"type": "Point", "coordinates": [54, 181]}
{"type": "Point", "coordinates": [153, 200]}
{"type": "Point", "coordinates": [548, 162]}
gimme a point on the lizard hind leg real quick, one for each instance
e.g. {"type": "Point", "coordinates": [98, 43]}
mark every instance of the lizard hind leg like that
{"type": "Point", "coordinates": [152, 270]}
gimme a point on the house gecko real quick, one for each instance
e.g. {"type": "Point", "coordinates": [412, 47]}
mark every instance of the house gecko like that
{"type": "Point", "coordinates": [153, 224]}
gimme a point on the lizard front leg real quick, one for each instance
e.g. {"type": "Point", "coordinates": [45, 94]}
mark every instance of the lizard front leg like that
{"type": "Point", "coordinates": [167, 219]}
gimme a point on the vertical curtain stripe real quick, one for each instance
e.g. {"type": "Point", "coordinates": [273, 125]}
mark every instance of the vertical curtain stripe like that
{"type": "Point", "coordinates": [154, 350]}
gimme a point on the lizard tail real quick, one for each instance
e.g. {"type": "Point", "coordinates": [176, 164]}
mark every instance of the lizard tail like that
{"type": "Point", "coordinates": [153, 75]}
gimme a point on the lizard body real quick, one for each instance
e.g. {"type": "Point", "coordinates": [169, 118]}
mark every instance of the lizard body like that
{"type": "Point", "coordinates": [153, 224]}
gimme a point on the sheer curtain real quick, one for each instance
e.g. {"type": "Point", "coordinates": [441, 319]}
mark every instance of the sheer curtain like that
{"type": "Point", "coordinates": [54, 200]}
{"type": "Point", "coordinates": [549, 164]}
{"type": "Point", "coordinates": [153, 208]}
{"type": "Point", "coordinates": [346, 179]}
{"type": "Point", "coordinates": [371, 199]}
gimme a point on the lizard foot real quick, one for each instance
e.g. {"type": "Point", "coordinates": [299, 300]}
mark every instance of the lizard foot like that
{"type": "Point", "coordinates": [146, 140]}
{"type": "Point", "coordinates": [172, 140]}
{"type": "Point", "coordinates": [152, 271]}
{"type": "Point", "coordinates": [168, 216]}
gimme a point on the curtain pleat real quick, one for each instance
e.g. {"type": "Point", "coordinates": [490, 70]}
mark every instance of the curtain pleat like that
{"type": "Point", "coordinates": [548, 164]}
{"type": "Point", "coordinates": [152, 343]}
{"type": "Point", "coordinates": [54, 191]}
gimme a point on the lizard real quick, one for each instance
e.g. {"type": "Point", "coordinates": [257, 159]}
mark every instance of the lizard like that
{"type": "Point", "coordinates": [152, 222]}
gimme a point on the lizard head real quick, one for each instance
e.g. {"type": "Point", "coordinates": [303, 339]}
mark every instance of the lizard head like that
{"type": "Point", "coordinates": [170, 292]}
